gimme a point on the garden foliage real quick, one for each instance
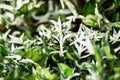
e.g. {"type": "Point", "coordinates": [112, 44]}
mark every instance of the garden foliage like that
{"type": "Point", "coordinates": [59, 39]}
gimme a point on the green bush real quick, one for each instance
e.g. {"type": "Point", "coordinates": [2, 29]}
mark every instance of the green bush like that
{"type": "Point", "coordinates": [59, 40]}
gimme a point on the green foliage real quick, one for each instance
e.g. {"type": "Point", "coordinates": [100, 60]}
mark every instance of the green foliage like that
{"type": "Point", "coordinates": [35, 56]}
{"type": "Point", "coordinates": [64, 70]}
{"type": "Point", "coordinates": [59, 39]}
{"type": "Point", "coordinates": [90, 20]}
{"type": "Point", "coordinates": [89, 7]}
{"type": "Point", "coordinates": [3, 52]}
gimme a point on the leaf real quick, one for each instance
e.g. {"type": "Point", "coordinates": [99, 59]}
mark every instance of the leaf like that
{"type": "Point", "coordinates": [62, 3]}
{"type": "Point", "coordinates": [71, 35]}
{"type": "Point", "coordinates": [114, 77]}
{"type": "Point", "coordinates": [2, 41]}
{"type": "Point", "coordinates": [116, 24]}
{"type": "Point", "coordinates": [116, 17]}
{"type": "Point", "coordinates": [54, 58]}
{"type": "Point", "coordinates": [117, 2]}
{"type": "Point", "coordinates": [7, 7]}
{"type": "Point", "coordinates": [35, 56]}
{"type": "Point", "coordinates": [45, 74]}
{"type": "Point", "coordinates": [106, 48]}
{"type": "Point", "coordinates": [3, 51]}
{"type": "Point", "coordinates": [97, 12]}
{"type": "Point", "coordinates": [25, 8]}
{"type": "Point", "coordinates": [98, 15]}
{"type": "Point", "coordinates": [89, 22]}
{"type": "Point", "coordinates": [117, 69]}
{"type": "Point", "coordinates": [89, 7]}
{"type": "Point", "coordinates": [3, 23]}
{"type": "Point", "coordinates": [71, 7]}
{"type": "Point", "coordinates": [93, 17]}
{"type": "Point", "coordinates": [87, 66]}
{"type": "Point", "coordinates": [69, 56]}
{"type": "Point", "coordinates": [98, 57]}
{"type": "Point", "coordinates": [2, 20]}
{"type": "Point", "coordinates": [65, 70]}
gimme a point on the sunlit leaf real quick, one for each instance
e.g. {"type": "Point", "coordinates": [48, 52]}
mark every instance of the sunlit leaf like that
{"type": "Point", "coordinates": [89, 22]}
{"type": "Point", "coordinates": [47, 75]}
{"type": "Point", "coordinates": [116, 24]}
{"type": "Point", "coordinates": [65, 70]}
{"type": "Point", "coordinates": [35, 56]}
{"type": "Point", "coordinates": [69, 56]}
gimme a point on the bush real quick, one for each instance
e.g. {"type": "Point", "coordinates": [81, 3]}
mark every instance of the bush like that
{"type": "Point", "coordinates": [59, 40]}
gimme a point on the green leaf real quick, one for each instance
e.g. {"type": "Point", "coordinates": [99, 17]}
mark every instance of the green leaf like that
{"type": "Point", "coordinates": [114, 77]}
{"type": "Point", "coordinates": [93, 17]}
{"type": "Point", "coordinates": [45, 74]}
{"type": "Point", "coordinates": [116, 24]}
{"type": "Point", "coordinates": [87, 66]}
{"type": "Point", "coordinates": [54, 58]}
{"type": "Point", "coordinates": [117, 69]}
{"type": "Point", "coordinates": [3, 23]}
{"type": "Point", "coordinates": [25, 8]}
{"type": "Point", "coordinates": [69, 56]}
{"type": "Point", "coordinates": [89, 7]}
{"type": "Point", "coordinates": [116, 17]}
{"type": "Point", "coordinates": [98, 57]}
{"type": "Point", "coordinates": [3, 51]}
{"type": "Point", "coordinates": [1, 68]}
{"type": "Point", "coordinates": [2, 41]}
{"type": "Point", "coordinates": [65, 70]}
{"type": "Point", "coordinates": [35, 56]}
{"type": "Point", "coordinates": [2, 20]}
{"type": "Point", "coordinates": [117, 2]}
{"type": "Point", "coordinates": [89, 22]}
{"type": "Point", "coordinates": [106, 48]}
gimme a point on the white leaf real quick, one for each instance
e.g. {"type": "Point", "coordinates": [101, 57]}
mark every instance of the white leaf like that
{"type": "Point", "coordinates": [71, 7]}
{"type": "Point", "coordinates": [8, 7]}
{"type": "Point", "coordinates": [97, 12]}
{"type": "Point", "coordinates": [62, 3]}
{"type": "Point", "coordinates": [68, 36]}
